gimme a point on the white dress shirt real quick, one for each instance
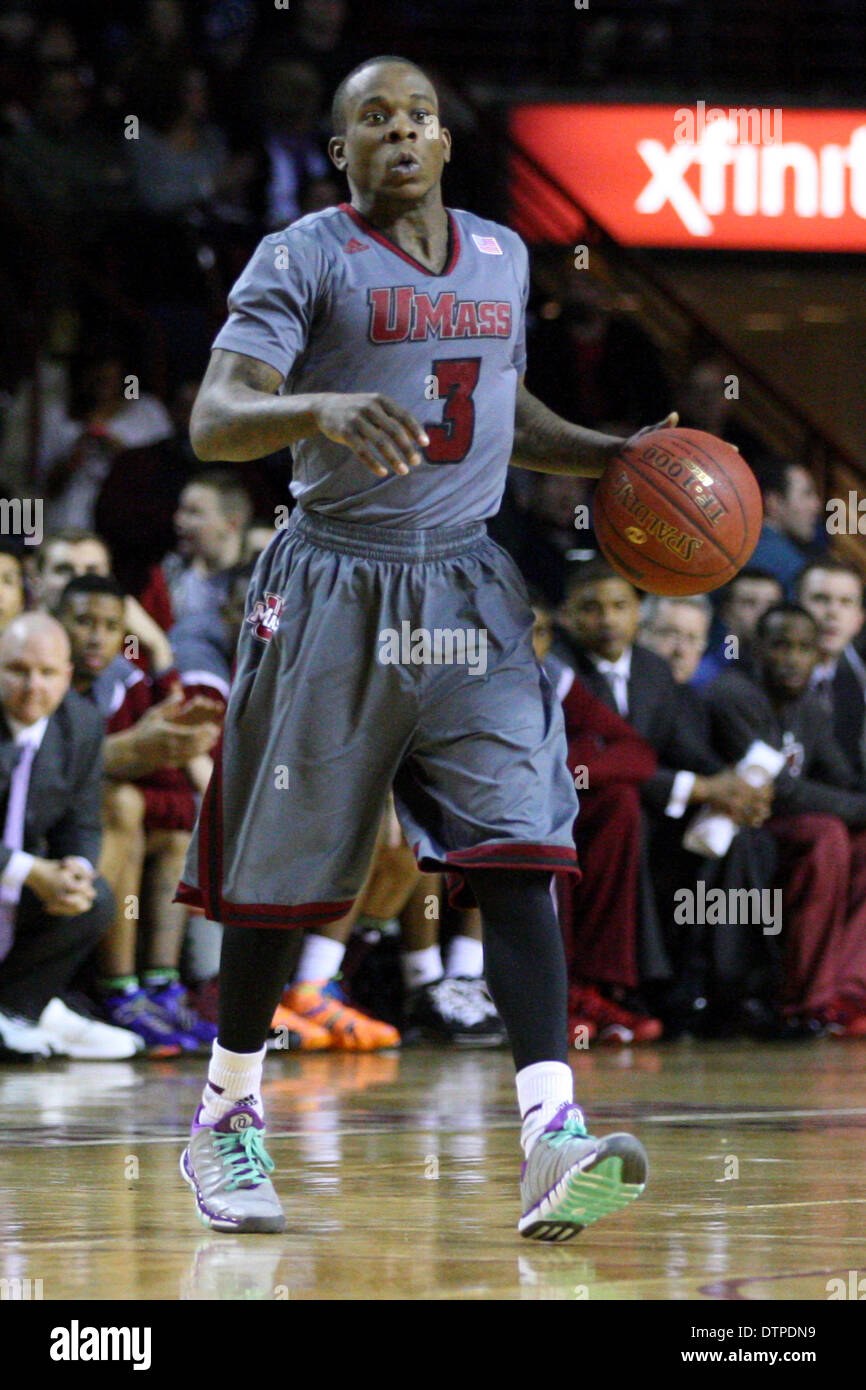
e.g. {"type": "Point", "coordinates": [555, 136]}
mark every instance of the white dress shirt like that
{"type": "Point", "coordinates": [617, 674]}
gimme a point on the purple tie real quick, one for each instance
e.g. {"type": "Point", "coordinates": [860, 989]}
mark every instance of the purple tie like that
{"type": "Point", "coordinates": [13, 838]}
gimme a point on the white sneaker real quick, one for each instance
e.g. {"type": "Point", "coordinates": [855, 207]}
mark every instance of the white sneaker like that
{"type": "Point", "coordinates": [85, 1039]}
{"type": "Point", "coordinates": [21, 1037]}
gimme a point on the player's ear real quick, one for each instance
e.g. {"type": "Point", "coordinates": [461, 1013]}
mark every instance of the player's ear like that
{"type": "Point", "coordinates": [445, 140]}
{"type": "Point", "coordinates": [337, 151]}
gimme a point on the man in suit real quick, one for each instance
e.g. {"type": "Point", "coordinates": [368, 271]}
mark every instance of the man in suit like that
{"type": "Point", "coordinates": [53, 906]}
{"type": "Point", "coordinates": [819, 820]}
{"type": "Point", "coordinates": [832, 591]}
{"type": "Point", "coordinates": [598, 625]}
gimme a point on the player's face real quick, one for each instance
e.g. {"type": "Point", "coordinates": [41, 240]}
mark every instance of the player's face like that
{"type": "Point", "coordinates": [11, 590]}
{"type": "Point", "coordinates": [34, 676]}
{"type": "Point", "coordinates": [603, 616]}
{"type": "Point", "coordinates": [679, 634]}
{"type": "Point", "coordinates": [835, 601]}
{"type": "Point", "coordinates": [788, 652]}
{"type": "Point", "coordinates": [94, 625]}
{"type": "Point", "coordinates": [394, 147]}
{"type": "Point", "coordinates": [746, 601]}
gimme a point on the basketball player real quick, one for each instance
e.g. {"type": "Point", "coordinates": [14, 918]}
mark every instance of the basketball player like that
{"type": "Point", "coordinates": [384, 341]}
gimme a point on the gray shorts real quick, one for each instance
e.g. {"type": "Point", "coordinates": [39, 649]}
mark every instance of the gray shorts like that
{"type": "Point", "coordinates": [372, 658]}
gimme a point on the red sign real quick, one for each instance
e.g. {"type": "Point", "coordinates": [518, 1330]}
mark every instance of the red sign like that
{"type": "Point", "coordinates": [742, 177]}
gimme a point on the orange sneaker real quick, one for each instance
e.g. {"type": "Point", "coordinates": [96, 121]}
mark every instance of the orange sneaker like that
{"type": "Point", "coordinates": [313, 1037]}
{"type": "Point", "coordinates": [323, 1003]}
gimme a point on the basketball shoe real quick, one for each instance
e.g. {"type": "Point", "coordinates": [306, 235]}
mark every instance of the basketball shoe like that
{"type": "Point", "coordinates": [570, 1178]}
{"type": "Point", "coordinates": [195, 1033]}
{"type": "Point", "coordinates": [323, 1002]}
{"type": "Point", "coordinates": [227, 1167]}
{"type": "Point", "coordinates": [132, 1009]}
{"type": "Point", "coordinates": [613, 1022]}
{"type": "Point", "coordinates": [300, 1034]}
{"type": "Point", "coordinates": [454, 1011]}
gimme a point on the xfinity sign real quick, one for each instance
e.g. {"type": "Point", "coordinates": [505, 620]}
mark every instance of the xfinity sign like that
{"type": "Point", "coordinates": [700, 176]}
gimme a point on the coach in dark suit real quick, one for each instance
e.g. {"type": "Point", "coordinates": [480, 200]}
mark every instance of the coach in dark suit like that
{"type": "Point", "coordinates": [53, 906]}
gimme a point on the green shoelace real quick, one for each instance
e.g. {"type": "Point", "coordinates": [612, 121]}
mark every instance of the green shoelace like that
{"type": "Point", "coordinates": [572, 1128]}
{"type": "Point", "coordinates": [245, 1157]}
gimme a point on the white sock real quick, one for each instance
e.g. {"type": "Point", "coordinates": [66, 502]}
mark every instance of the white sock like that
{"type": "Point", "coordinates": [421, 967]}
{"type": "Point", "coordinates": [465, 958]}
{"type": "Point", "coordinates": [233, 1078]}
{"type": "Point", "coordinates": [321, 958]}
{"type": "Point", "coordinates": [541, 1089]}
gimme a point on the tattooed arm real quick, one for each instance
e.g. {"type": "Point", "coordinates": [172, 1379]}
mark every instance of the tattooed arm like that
{"type": "Point", "coordinates": [238, 416]}
{"type": "Point", "coordinates": [546, 443]}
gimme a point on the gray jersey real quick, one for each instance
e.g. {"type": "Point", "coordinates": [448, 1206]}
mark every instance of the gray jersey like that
{"type": "Point", "coordinates": [334, 305]}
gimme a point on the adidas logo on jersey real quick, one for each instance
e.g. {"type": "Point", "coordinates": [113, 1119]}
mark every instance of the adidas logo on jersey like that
{"type": "Point", "coordinates": [353, 244]}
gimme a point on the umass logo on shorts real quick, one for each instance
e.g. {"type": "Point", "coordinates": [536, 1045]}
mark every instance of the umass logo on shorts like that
{"type": "Point", "coordinates": [265, 617]}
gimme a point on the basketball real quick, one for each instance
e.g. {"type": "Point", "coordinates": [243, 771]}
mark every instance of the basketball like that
{"type": "Point", "coordinates": [677, 512]}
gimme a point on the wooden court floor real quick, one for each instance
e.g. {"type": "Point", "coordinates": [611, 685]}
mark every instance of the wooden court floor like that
{"type": "Point", "coordinates": [399, 1176]}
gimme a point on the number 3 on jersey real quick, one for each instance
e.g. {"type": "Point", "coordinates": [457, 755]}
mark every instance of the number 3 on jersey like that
{"type": "Point", "coordinates": [451, 440]}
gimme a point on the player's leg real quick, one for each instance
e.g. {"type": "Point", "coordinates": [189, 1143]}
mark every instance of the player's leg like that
{"type": "Point", "coordinates": [570, 1178]}
{"type": "Point", "coordinates": [226, 1163]}
{"type": "Point", "coordinates": [286, 831]}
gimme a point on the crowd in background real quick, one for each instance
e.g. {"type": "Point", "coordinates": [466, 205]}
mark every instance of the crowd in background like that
{"type": "Point", "coordinates": [119, 628]}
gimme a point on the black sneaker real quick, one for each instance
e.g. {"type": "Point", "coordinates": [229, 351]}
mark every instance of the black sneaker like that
{"type": "Point", "coordinates": [454, 1011]}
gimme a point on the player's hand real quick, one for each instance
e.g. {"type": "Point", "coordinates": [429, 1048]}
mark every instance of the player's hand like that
{"type": "Point", "coordinates": [375, 428]}
{"type": "Point", "coordinates": [670, 422]}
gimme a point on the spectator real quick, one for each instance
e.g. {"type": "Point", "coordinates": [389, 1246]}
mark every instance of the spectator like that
{"type": "Point", "coordinates": [740, 604]}
{"type": "Point", "coordinates": [792, 508]}
{"type": "Point", "coordinates": [110, 414]}
{"type": "Point", "coordinates": [819, 821]}
{"type": "Point", "coordinates": [704, 402]}
{"type": "Point", "coordinates": [677, 629]}
{"type": "Point", "coordinates": [297, 176]}
{"type": "Point", "coordinates": [832, 591]}
{"type": "Point", "coordinates": [59, 169]}
{"type": "Point", "coordinates": [211, 519]}
{"type": "Point", "coordinates": [64, 555]}
{"type": "Point", "coordinates": [148, 809]}
{"type": "Point", "coordinates": [54, 907]}
{"type": "Point", "coordinates": [181, 161]}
